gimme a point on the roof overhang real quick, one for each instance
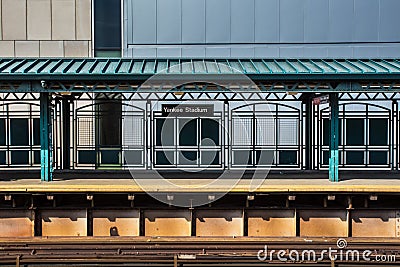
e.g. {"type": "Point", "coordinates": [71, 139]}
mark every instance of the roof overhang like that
{"type": "Point", "coordinates": [342, 74]}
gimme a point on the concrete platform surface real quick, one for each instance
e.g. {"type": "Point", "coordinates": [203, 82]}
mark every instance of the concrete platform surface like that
{"type": "Point", "coordinates": [201, 185]}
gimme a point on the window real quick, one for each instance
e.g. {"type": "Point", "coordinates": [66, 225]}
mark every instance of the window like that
{"type": "Point", "coordinates": [19, 135]}
{"type": "Point", "coordinates": [107, 28]}
{"type": "Point", "coordinates": [189, 142]}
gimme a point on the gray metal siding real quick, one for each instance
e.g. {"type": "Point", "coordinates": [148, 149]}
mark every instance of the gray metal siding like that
{"type": "Point", "coordinates": [261, 28]}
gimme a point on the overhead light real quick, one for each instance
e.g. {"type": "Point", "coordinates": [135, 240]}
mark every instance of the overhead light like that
{"type": "Point", "coordinates": [131, 197]}
{"type": "Point", "coordinates": [291, 198]}
{"type": "Point", "coordinates": [250, 197]}
{"type": "Point", "coordinates": [50, 197]}
{"type": "Point", "coordinates": [7, 197]}
{"type": "Point", "coordinates": [170, 197]}
{"type": "Point", "coordinates": [373, 197]}
{"type": "Point", "coordinates": [89, 197]}
{"type": "Point", "coordinates": [331, 197]}
{"type": "Point", "coordinates": [211, 197]}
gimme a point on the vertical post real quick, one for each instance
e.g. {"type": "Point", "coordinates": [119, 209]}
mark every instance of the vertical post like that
{"type": "Point", "coordinates": [334, 138]}
{"type": "Point", "coordinates": [46, 171]}
{"type": "Point", "coordinates": [308, 133]}
{"type": "Point", "coordinates": [66, 133]}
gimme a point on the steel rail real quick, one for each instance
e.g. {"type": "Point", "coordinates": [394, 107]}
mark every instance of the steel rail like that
{"type": "Point", "coordinates": [186, 250]}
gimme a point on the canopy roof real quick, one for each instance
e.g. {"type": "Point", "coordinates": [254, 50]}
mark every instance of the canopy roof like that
{"type": "Point", "coordinates": [139, 70]}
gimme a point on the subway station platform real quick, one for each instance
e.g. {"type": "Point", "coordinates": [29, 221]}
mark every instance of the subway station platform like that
{"type": "Point", "coordinates": [201, 185]}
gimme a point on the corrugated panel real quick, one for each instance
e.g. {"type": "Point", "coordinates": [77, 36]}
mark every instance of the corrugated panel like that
{"type": "Point", "coordinates": [118, 66]}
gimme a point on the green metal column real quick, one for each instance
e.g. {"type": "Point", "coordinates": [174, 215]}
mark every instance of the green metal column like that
{"type": "Point", "coordinates": [334, 138]}
{"type": "Point", "coordinates": [46, 172]}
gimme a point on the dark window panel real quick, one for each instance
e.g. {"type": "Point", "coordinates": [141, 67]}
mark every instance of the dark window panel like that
{"type": "Point", "coordinates": [355, 132]}
{"type": "Point", "coordinates": [110, 156]}
{"type": "Point", "coordinates": [20, 157]}
{"type": "Point", "coordinates": [265, 157]}
{"type": "Point", "coordinates": [210, 158]}
{"type": "Point", "coordinates": [165, 133]}
{"type": "Point", "coordinates": [107, 16]}
{"type": "Point", "coordinates": [3, 158]}
{"type": "Point", "coordinates": [19, 132]}
{"type": "Point", "coordinates": [188, 132]}
{"type": "Point", "coordinates": [164, 158]}
{"type": "Point", "coordinates": [188, 158]}
{"type": "Point", "coordinates": [36, 131]}
{"type": "Point", "coordinates": [210, 130]}
{"type": "Point", "coordinates": [355, 157]}
{"type": "Point", "coordinates": [133, 157]}
{"type": "Point", "coordinates": [378, 157]}
{"type": "Point", "coordinates": [378, 132]}
{"type": "Point", "coordinates": [36, 157]}
{"type": "Point", "coordinates": [288, 157]}
{"type": "Point", "coordinates": [87, 157]}
{"type": "Point", "coordinates": [2, 132]}
{"type": "Point", "coordinates": [242, 157]}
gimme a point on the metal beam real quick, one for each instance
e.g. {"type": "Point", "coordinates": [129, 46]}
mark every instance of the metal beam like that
{"type": "Point", "coordinates": [334, 138]}
{"type": "Point", "coordinates": [46, 169]}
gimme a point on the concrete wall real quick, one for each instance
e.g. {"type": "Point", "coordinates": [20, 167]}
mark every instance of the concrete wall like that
{"type": "Point", "coordinates": [261, 28]}
{"type": "Point", "coordinates": [45, 28]}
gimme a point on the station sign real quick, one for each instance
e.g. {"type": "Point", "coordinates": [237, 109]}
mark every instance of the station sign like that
{"type": "Point", "coordinates": [201, 110]}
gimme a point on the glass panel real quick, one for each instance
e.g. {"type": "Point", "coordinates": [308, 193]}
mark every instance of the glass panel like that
{"type": "Point", "coordinates": [325, 157]}
{"type": "Point", "coordinates": [110, 156]}
{"type": "Point", "coordinates": [165, 158]}
{"type": "Point", "coordinates": [36, 131]}
{"type": "Point", "coordinates": [3, 158]}
{"type": "Point", "coordinates": [165, 127]}
{"type": "Point", "coordinates": [265, 131]}
{"type": "Point", "coordinates": [264, 157]}
{"type": "Point", "coordinates": [107, 24]}
{"type": "Point", "coordinates": [116, 53]}
{"type": "Point", "coordinates": [2, 132]}
{"type": "Point", "coordinates": [87, 157]}
{"type": "Point", "coordinates": [210, 158]}
{"type": "Point", "coordinates": [188, 158]}
{"type": "Point", "coordinates": [325, 132]}
{"type": "Point", "coordinates": [378, 132]}
{"type": "Point", "coordinates": [288, 131]}
{"type": "Point", "coordinates": [242, 131]}
{"type": "Point", "coordinates": [288, 157]}
{"type": "Point", "coordinates": [355, 132]}
{"type": "Point", "coordinates": [133, 157]}
{"type": "Point", "coordinates": [188, 132]}
{"type": "Point", "coordinates": [19, 132]}
{"type": "Point", "coordinates": [36, 157]}
{"type": "Point", "coordinates": [242, 157]}
{"type": "Point", "coordinates": [378, 157]}
{"type": "Point", "coordinates": [110, 118]}
{"type": "Point", "coordinates": [20, 157]}
{"type": "Point", "coordinates": [355, 157]}
{"type": "Point", "coordinates": [210, 130]}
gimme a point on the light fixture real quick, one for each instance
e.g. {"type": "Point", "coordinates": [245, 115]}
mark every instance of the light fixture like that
{"type": "Point", "coordinates": [250, 197]}
{"type": "Point", "coordinates": [331, 197]}
{"type": "Point", "coordinates": [373, 197]}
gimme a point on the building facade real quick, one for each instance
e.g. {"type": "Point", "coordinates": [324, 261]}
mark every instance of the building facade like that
{"type": "Point", "coordinates": [118, 117]}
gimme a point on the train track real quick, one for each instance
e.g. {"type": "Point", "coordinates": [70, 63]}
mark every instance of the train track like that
{"type": "Point", "coordinates": [194, 250]}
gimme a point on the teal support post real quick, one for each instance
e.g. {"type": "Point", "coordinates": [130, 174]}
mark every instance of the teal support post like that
{"type": "Point", "coordinates": [334, 138]}
{"type": "Point", "coordinates": [46, 170]}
